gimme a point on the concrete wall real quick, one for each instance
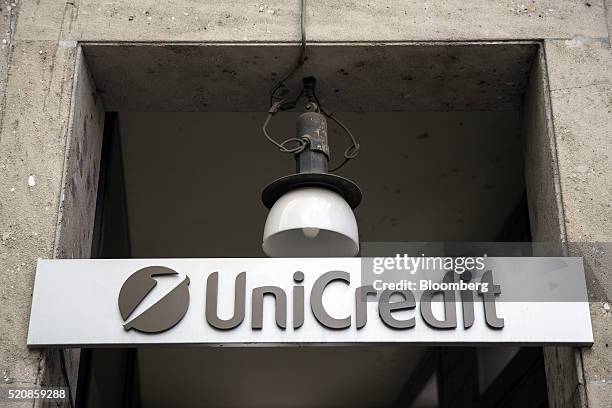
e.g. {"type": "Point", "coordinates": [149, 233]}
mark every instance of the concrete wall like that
{"type": "Point", "coordinates": [50, 150]}
{"type": "Point", "coordinates": [45, 202]}
{"type": "Point", "coordinates": [569, 144]}
{"type": "Point", "coordinates": [580, 78]}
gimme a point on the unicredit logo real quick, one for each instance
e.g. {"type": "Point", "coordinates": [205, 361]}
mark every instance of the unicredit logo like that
{"type": "Point", "coordinates": [171, 308]}
{"type": "Point", "coordinates": [162, 315]}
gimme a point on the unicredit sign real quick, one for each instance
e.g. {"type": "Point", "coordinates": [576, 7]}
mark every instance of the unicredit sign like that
{"type": "Point", "coordinates": [170, 309]}
{"type": "Point", "coordinates": [305, 301]}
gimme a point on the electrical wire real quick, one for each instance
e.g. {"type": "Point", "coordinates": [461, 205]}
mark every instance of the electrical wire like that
{"type": "Point", "coordinates": [276, 105]}
{"type": "Point", "coordinates": [280, 104]}
{"type": "Point", "coordinates": [302, 143]}
{"type": "Point", "coordinates": [353, 150]}
{"type": "Point", "coordinates": [298, 63]}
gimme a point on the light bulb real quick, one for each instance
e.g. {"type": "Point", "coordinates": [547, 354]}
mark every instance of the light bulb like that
{"type": "Point", "coordinates": [311, 232]}
{"type": "Point", "coordinates": [310, 221]}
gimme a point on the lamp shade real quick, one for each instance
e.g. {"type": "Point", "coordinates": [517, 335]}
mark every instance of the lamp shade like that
{"type": "Point", "coordinates": [310, 222]}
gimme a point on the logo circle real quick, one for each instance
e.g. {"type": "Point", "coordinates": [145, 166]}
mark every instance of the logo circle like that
{"type": "Point", "coordinates": [162, 315]}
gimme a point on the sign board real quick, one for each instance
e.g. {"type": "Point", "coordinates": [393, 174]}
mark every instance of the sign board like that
{"type": "Point", "coordinates": [301, 301]}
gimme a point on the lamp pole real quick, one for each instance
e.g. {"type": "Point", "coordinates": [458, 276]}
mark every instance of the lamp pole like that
{"type": "Point", "coordinates": [312, 128]}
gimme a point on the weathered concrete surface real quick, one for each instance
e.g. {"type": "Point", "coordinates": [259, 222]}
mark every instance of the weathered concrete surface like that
{"type": "Point", "coordinates": [608, 7]}
{"type": "Point", "coordinates": [581, 98]}
{"type": "Point", "coordinates": [563, 366]}
{"type": "Point", "coordinates": [31, 163]}
{"type": "Point", "coordinates": [41, 20]}
{"type": "Point", "coordinates": [46, 199]}
{"type": "Point", "coordinates": [580, 74]}
{"type": "Point", "coordinates": [328, 20]}
{"type": "Point", "coordinates": [77, 200]}
{"type": "Point", "coordinates": [545, 210]}
{"type": "Point", "coordinates": [351, 77]}
{"type": "Point", "coordinates": [8, 20]}
{"type": "Point", "coordinates": [82, 167]}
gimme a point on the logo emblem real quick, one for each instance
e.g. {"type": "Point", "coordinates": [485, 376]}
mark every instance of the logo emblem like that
{"type": "Point", "coordinates": [162, 315]}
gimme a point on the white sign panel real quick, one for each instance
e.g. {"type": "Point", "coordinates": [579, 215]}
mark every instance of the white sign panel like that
{"type": "Point", "coordinates": [286, 301]}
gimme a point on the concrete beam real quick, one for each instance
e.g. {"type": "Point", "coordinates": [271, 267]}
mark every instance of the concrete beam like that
{"type": "Point", "coordinates": [328, 20]}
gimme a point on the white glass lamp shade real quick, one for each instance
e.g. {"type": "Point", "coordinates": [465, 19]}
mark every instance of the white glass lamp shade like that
{"type": "Point", "coordinates": [311, 222]}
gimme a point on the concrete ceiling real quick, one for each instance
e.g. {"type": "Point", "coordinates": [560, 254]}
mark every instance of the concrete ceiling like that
{"type": "Point", "coordinates": [352, 77]}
